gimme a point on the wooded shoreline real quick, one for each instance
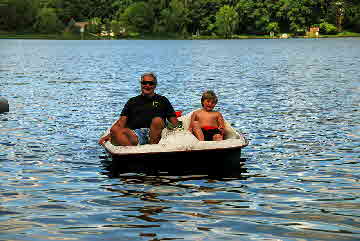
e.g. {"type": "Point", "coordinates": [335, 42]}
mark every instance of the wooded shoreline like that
{"type": "Point", "coordinates": [9, 35]}
{"type": "Point", "coordinates": [177, 19]}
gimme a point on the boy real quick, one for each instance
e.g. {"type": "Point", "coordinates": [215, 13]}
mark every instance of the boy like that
{"type": "Point", "coordinates": [206, 124]}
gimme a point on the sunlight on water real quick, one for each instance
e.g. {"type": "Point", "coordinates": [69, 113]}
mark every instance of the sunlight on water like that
{"type": "Point", "coordinates": [296, 100]}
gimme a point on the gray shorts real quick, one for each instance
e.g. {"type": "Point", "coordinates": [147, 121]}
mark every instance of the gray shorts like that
{"type": "Point", "coordinates": [143, 135]}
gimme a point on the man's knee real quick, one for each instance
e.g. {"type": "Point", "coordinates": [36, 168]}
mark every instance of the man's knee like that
{"type": "Point", "coordinates": [125, 136]}
{"type": "Point", "coordinates": [157, 123]}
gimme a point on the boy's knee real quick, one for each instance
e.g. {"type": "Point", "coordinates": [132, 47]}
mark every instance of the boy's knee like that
{"type": "Point", "coordinates": [217, 137]}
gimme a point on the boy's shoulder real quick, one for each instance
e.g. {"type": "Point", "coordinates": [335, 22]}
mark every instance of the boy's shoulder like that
{"type": "Point", "coordinates": [202, 111]}
{"type": "Point", "coordinates": [215, 112]}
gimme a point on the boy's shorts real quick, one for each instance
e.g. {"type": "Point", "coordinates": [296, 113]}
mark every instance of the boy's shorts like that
{"type": "Point", "coordinates": [209, 133]}
{"type": "Point", "coordinates": [143, 135]}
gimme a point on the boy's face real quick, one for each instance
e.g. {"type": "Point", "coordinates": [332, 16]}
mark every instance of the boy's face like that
{"type": "Point", "coordinates": [208, 105]}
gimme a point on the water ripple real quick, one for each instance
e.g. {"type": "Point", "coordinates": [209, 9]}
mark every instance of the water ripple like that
{"type": "Point", "coordinates": [296, 100]}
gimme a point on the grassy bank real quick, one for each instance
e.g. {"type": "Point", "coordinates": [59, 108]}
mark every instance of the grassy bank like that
{"type": "Point", "coordinates": [55, 36]}
{"type": "Point", "coordinates": [169, 36]}
{"type": "Point", "coordinates": [339, 35]}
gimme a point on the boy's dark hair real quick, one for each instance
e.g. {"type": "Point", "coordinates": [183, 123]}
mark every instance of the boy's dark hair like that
{"type": "Point", "coordinates": [209, 95]}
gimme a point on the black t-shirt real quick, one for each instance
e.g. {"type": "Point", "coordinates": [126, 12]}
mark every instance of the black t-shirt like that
{"type": "Point", "coordinates": [140, 110]}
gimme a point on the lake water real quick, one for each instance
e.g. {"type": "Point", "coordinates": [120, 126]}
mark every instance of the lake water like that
{"type": "Point", "coordinates": [297, 101]}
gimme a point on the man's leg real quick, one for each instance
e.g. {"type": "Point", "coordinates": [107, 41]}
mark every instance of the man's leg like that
{"type": "Point", "coordinates": [124, 137]}
{"type": "Point", "coordinates": [157, 125]}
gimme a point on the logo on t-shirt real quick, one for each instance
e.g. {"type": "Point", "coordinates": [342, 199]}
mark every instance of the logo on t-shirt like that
{"type": "Point", "coordinates": [156, 104]}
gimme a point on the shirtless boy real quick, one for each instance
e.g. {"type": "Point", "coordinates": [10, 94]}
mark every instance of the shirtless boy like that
{"type": "Point", "coordinates": [207, 124]}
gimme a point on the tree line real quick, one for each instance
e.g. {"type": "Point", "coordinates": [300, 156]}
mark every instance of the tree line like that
{"type": "Point", "coordinates": [182, 17]}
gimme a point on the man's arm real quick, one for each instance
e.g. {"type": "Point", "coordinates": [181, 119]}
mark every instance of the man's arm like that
{"type": "Point", "coordinates": [170, 112]}
{"type": "Point", "coordinates": [173, 120]}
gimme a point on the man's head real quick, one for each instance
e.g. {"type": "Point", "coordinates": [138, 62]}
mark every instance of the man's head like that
{"type": "Point", "coordinates": [209, 100]}
{"type": "Point", "coordinates": [148, 83]}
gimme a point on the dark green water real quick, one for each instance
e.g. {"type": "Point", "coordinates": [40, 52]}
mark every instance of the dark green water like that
{"type": "Point", "coordinates": [297, 101]}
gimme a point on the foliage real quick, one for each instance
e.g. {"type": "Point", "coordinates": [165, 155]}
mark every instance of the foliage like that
{"type": "Point", "coordinates": [18, 14]}
{"type": "Point", "coordinates": [182, 17]}
{"type": "Point", "coordinates": [353, 17]}
{"type": "Point", "coordinates": [174, 18]}
{"type": "Point", "coordinates": [273, 27]}
{"type": "Point", "coordinates": [47, 21]}
{"type": "Point", "coordinates": [327, 28]}
{"type": "Point", "coordinates": [116, 27]}
{"type": "Point", "coordinates": [138, 17]}
{"type": "Point", "coordinates": [226, 21]}
{"type": "Point", "coordinates": [94, 26]}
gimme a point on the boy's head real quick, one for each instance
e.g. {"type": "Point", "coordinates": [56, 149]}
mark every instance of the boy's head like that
{"type": "Point", "coordinates": [209, 96]}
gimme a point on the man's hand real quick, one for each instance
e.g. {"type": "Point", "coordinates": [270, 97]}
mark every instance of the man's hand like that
{"type": "Point", "coordinates": [173, 121]}
{"type": "Point", "coordinates": [104, 139]}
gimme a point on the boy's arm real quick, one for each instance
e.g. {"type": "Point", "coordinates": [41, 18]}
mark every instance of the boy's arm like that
{"type": "Point", "coordinates": [193, 118]}
{"type": "Point", "coordinates": [221, 122]}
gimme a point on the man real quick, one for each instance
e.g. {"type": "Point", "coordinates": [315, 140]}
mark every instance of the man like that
{"type": "Point", "coordinates": [143, 117]}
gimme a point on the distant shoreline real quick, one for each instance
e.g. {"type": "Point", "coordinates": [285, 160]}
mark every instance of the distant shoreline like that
{"type": "Point", "coordinates": [9, 35]}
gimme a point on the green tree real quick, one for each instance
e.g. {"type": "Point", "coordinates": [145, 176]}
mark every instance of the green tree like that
{"type": "Point", "coordinates": [301, 15]}
{"type": "Point", "coordinates": [254, 16]}
{"type": "Point", "coordinates": [47, 21]}
{"type": "Point", "coordinates": [226, 21]}
{"type": "Point", "coordinates": [245, 10]}
{"type": "Point", "coordinates": [138, 17]}
{"type": "Point", "coordinates": [94, 26]}
{"type": "Point", "coordinates": [202, 14]}
{"type": "Point", "coordinates": [18, 14]}
{"type": "Point", "coordinates": [116, 27]}
{"type": "Point", "coordinates": [352, 17]}
{"type": "Point", "coordinates": [327, 28]}
{"type": "Point", "coordinates": [273, 27]}
{"type": "Point", "coordinates": [175, 17]}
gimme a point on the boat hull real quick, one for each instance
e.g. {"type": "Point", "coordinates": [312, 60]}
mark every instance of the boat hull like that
{"type": "Point", "coordinates": [216, 162]}
{"type": "Point", "coordinates": [215, 155]}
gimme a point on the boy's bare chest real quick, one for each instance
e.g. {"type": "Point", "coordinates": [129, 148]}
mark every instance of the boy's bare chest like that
{"type": "Point", "coordinates": [207, 116]}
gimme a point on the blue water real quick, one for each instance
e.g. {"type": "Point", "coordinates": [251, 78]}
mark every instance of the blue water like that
{"type": "Point", "coordinates": [297, 101]}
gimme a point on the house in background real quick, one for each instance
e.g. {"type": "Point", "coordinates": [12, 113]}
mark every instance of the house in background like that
{"type": "Point", "coordinates": [313, 32]}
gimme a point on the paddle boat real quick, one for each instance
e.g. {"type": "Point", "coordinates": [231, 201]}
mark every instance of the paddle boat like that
{"type": "Point", "coordinates": [180, 144]}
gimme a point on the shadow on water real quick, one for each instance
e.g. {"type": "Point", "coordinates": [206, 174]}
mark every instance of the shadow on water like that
{"type": "Point", "coordinates": [115, 167]}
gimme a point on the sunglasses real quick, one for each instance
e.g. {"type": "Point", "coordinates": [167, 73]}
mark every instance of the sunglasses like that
{"type": "Point", "coordinates": [151, 83]}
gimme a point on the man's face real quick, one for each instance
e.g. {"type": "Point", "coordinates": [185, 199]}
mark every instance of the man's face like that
{"type": "Point", "coordinates": [148, 85]}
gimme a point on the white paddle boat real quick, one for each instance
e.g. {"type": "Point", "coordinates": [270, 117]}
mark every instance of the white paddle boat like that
{"type": "Point", "coordinates": [181, 144]}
